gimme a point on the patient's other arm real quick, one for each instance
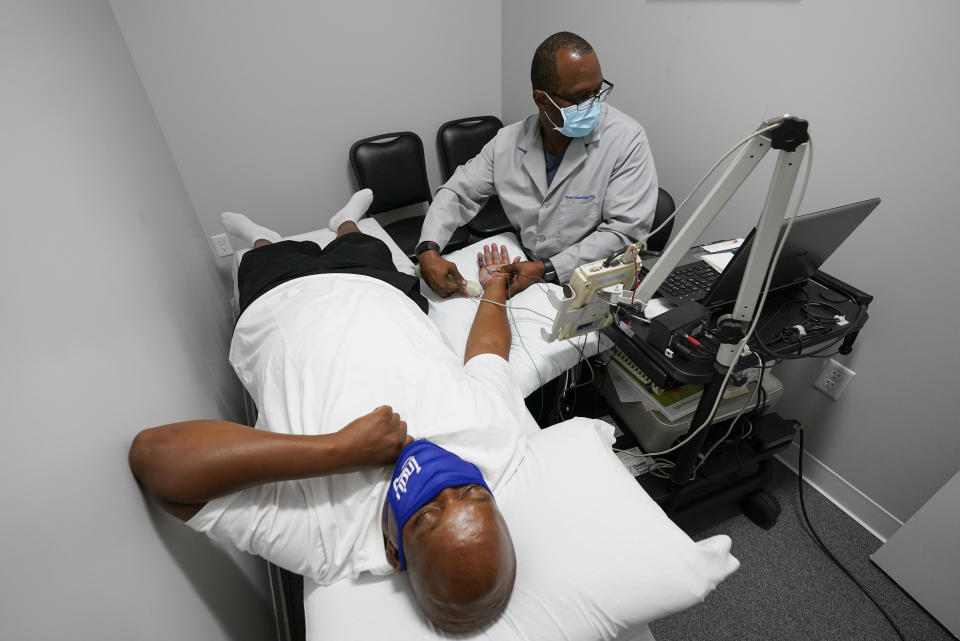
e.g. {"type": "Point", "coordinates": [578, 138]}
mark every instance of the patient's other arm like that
{"type": "Point", "coordinates": [184, 465]}
{"type": "Point", "coordinates": [490, 332]}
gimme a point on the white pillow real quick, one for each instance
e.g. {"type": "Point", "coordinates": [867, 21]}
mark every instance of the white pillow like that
{"type": "Point", "coordinates": [533, 360]}
{"type": "Point", "coordinates": [596, 557]}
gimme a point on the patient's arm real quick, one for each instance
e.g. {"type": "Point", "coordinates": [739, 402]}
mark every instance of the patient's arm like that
{"type": "Point", "coordinates": [490, 332]}
{"type": "Point", "coordinates": [184, 465]}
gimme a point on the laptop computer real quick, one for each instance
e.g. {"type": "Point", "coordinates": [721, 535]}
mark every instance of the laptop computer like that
{"type": "Point", "coordinates": [812, 240]}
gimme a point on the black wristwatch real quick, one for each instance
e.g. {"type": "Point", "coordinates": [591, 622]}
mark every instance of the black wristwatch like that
{"type": "Point", "coordinates": [549, 273]}
{"type": "Point", "coordinates": [426, 246]}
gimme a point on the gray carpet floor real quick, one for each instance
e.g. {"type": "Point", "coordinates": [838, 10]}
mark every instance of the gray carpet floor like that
{"type": "Point", "coordinates": [787, 589]}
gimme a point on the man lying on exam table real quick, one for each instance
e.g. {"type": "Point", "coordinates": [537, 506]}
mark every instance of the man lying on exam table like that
{"type": "Point", "coordinates": [313, 323]}
{"type": "Point", "coordinates": [334, 351]}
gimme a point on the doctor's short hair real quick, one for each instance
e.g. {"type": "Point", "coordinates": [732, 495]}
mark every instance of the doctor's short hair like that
{"type": "Point", "coordinates": [543, 71]}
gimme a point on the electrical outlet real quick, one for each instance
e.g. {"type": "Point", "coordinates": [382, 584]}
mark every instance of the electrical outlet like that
{"type": "Point", "coordinates": [221, 245]}
{"type": "Point", "coordinates": [834, 379]}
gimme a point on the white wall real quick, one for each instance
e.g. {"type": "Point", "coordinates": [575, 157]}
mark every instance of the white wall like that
{"type": "Point", "coordinates": [113, 320]}
{"type": "Point", "coordinates": [260, 101]}
{"type": "Point", "coordinates": [878, 83]}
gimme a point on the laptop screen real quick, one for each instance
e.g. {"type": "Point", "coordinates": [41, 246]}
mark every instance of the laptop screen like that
{"type": "Point", "coordinates": [813, 238]}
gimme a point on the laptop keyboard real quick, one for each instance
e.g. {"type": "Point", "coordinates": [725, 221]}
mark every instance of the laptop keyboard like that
{"type": "Point", "coordinates": [689, 282]}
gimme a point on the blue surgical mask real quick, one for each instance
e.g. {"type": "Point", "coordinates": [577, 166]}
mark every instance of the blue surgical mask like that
{"type": "Point", "coordinates": [577, 124]}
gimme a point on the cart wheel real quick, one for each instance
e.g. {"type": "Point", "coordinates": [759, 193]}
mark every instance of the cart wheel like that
{"type": "Point", "coordinates": [761, 507]}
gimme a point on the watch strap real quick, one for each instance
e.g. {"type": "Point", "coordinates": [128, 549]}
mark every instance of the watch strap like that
{"type": "Point", "coordinates": [425, 246]}
{"type": "Point", "coordinates": [549, 273]}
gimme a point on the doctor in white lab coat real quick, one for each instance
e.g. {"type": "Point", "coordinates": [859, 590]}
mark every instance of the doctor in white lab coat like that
{"type": "Point", "coordinates": [576, 179]}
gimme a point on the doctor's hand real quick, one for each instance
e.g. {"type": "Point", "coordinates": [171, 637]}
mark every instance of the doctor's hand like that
{"type": "Point", "coordinates": [523, 274]}
{"type": "Point", "coordinates": [373, 439]}
{"type": "Point", "coordinates": [490, 262]}
{"type": "Point", "coordinates": [440, 274]}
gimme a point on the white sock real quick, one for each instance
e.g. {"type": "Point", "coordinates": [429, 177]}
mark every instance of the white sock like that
{"type": "Point", "coordinates": [354, 210]}
{"type": "Point", "coordinates": [245, 229]}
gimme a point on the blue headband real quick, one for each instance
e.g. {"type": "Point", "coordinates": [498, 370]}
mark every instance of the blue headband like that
{"type": "Point", "coordinates": [421, 472]}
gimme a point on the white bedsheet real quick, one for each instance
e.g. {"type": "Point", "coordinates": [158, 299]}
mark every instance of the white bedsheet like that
{"type": "Point", "coordinates": [533, 360]}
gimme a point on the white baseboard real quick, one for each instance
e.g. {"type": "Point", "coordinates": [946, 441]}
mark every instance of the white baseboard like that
{"type": "Point", "coordinates": [845, 496]}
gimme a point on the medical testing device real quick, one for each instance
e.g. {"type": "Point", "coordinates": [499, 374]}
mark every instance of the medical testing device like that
{"type": "Point", "coordinates": [596, 288]}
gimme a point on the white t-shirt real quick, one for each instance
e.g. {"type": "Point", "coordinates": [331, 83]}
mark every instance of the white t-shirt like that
{"type": "Point", "coordinates": [320, 351]}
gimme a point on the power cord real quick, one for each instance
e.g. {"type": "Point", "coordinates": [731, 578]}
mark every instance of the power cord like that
{"type": "Point", "coordinates": [823, 547]}
{"type": "Point", "coordinates": [513, 307]}
{"type": "Point", "coordinates": [755, 392]}
{"type": "Point", "coordinates": [572, 377]}
{"type": "Point", "coordinates": [659, 467]}
{"type": "Point", "coordinates": [568, 385]}
{"type": "Point", "coordinates": [509, 309]}
{"type": "Point", "coordinates": [533, 362]}
{"type": "Point", "coordinates": [817, 324]}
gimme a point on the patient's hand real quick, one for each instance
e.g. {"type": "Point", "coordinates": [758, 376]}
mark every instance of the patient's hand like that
{"type": "Point", "coordinates": [490, 261]}
{"type": "Point", "coordinates": [374, 439]}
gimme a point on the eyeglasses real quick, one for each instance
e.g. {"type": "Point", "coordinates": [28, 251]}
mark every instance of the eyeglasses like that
{"type": "Point", "coordinates": [605, 88]}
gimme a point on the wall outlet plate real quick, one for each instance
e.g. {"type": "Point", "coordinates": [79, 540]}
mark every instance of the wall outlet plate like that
{"type": "Point", "coordinates": [221, 245]}
{"type": "Point", "coordinates": [834, 379]}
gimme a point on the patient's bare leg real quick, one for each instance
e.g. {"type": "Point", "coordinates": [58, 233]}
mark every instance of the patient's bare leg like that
{"type": "Point", "coordinates": [348, 227]}
{"type": "Point", "coordinates": [245, 229]}
{"type": "Point", "coordinates": [353, 211]}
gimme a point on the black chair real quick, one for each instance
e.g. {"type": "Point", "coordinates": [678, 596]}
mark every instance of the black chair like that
{"type": "Point", "coordinates": [665, 207]}
{"type": "Point", "coordinates": [392, 165]}
{"type": "Point", "coordinates": [457, 142]}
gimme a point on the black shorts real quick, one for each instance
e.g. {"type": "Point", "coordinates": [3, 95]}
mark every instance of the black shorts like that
{"type": "Point", "coordinates": [268, 266]}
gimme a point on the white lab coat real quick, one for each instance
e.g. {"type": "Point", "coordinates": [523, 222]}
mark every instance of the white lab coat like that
{"type": "Point", "coordinates": [603, 196]}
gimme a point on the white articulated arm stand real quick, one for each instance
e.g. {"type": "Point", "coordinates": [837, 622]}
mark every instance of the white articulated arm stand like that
{"type": "Point", "coordinates": [595, 287]}
{"type": "Point", "coordinates": [764, 244]}
{"type": "Point", "coordinates": [789, 136]}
